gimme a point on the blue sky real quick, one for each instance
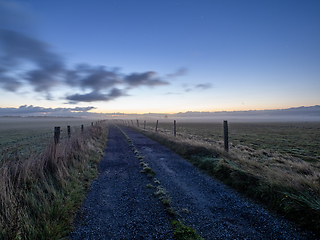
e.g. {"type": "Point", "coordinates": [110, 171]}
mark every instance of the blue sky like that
{"type": "Point", "coordinates": [160, 56]}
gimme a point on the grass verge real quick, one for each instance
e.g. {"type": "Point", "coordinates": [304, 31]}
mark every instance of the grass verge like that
{"type": "Point", "coordinates": [40, 194]}
{"type": "Point", "coordinates": [183, 232]}
{"type": "Point", "coordinates": [285, 184]}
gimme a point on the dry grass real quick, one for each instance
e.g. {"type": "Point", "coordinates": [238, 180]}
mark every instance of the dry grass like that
{"type": "Point", "coordinates": [298, 139]}
{"type": "Point", "coordinates": [284, 183]}
{"type": "Point", "coordinates": [39, 194]}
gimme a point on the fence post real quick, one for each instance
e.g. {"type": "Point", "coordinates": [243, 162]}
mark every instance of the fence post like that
{"type": "Point", "coordinates": [132, 123]}
{"type": "Point", "coordinates": [137, 123]}
{"type": "Point", "coordinates": [91, 123]}
{"type": "Point", "coordinates": [144, 125]}
{"type": "Point", "coordinates": [157, 126]}
{"type": "Point", "coordinates": [56, 135]}
{"type": "Point", "coordinates": [226, 138]}
{"type": "Point", "coordinates": [69, 132]}
{"type": "Point", "coordinates": [174, 128]}
{"type": "Point", "coordinates": [81, 128]}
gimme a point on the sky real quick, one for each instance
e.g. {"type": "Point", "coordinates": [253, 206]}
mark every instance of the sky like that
{"type": "Point", "coordinates": [159, 56]}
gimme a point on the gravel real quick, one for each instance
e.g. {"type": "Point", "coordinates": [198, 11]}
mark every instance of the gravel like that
{"type": "Point", "coordinates": [120, 206]}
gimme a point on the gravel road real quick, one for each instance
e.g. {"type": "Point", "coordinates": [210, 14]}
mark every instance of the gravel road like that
{"type": "Point", "coordinates": [119, 205]}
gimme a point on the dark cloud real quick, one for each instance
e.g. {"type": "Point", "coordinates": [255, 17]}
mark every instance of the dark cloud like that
{"type": "Point", "coordinates": [82, 109]}
{"type": "Point", "coordinates": [96, 96]}
{"type": "Point", "coordinates": [27, 61]}
{"type": "Point", "coordinates": [146, 79]}
{"type": "Point", "coordinates": [9, 83]}
{"type": "Point", "coordinates": [49, 71]}
{"type": "Point", "coordinates": [18, 49]}
{"type": "Point", "coordinates": [17, 46]}
{"type": "Point", "coordinates": [94, 78]}
{"type": "Point", "coordinates": [42, 79]}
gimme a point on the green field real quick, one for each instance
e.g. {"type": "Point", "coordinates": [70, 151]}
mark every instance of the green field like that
{"type": "Point", "coordinates": [22, 135]}
{"type": "Point", "coordinates": [298, 139]}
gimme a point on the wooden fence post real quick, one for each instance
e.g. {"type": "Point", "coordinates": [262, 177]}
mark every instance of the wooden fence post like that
{"type": "Point", "coordinates": [174, 128]}
{"type": "Point", "coordinates": [56, 135]}
{"type": "Point", "coordinates": [69, 131]}
{"type": "Point", "coordinates": [132, 123]}
{"type": "Point", "coordinates": [81, 128]}
{"type": "Point", "coordinates": [137, 123]}
{"type": "Point", "coordinates": [226, 138]}
{"type": "Point", "coordinates": [144, 125]}
{"type": "Point", "coordinates": [157, 126]}
{"type": "Point", "coordinates": [92, 124]}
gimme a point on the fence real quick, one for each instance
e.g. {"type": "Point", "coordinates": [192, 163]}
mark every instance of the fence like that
{"type": "Point", "coordinates": [225, 130]}
{"type": "Point", "coordinates": [37, 142]}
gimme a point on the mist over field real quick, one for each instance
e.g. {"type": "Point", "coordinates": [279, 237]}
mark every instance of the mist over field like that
{"type": "Point", "coordinates": [291, 114]}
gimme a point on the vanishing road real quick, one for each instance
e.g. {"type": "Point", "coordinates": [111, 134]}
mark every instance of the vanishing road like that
{"type": "Point", "coordinates": [121, 203]}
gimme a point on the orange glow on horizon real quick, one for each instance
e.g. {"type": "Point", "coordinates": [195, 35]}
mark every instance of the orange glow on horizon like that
{"type": "Point", "coordinates": [143, 112]}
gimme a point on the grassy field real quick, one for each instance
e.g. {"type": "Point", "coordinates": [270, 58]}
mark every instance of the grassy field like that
{"type": "Point", "coordinates": [277, 164]}
{"type": "Point", "coordinates": [40, 192]}
{"type": "Point", "coordinates": [298, 139]}
{"type": "Point", "coordinates": [22, 135]}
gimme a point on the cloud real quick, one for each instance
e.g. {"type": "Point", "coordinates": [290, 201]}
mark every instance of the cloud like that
{"type": "Point", "coordinates": [96, 96]}
{"type": "Point", "coordinates": [146, 79]}
{"type": "Point", "coordinates": [27, 61]}
{"type": "Point", "coordinates": [10, 84]}
{"type": "Point", "coordinates": [94, 78]}
{"type": "Point", "coordinates": [204, 86]}
{"type": "Point", "coordinates": [82, 109]}
{"type": "Point", "coordinates": [17, 49]}
{"type": "Point", "coordinates": [49, 71]}
{"type": "Point", "coordinates": [178, 73]}
{"type": "Point", "coordinates": [201, 86]}
{"type": "Point", "coordinates": [24, 109]}
{"type": "Point", "coordinates": [172, 93]}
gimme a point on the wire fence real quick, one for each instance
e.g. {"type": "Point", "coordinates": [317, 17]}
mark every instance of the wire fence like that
{"type": "Point", "coordinates": [174, 129]}
{"type": "Point", "coordinates": [35, 142]}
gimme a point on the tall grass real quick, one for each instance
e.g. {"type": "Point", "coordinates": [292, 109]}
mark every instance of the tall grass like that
{"type": "Point", "coordinates": [283, 183]}
{"type": "Point", "coordinates": [40, 193]}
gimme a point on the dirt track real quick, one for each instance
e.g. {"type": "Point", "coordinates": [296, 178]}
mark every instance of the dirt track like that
{"type": "Point", "coordinates": [119, 205]}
